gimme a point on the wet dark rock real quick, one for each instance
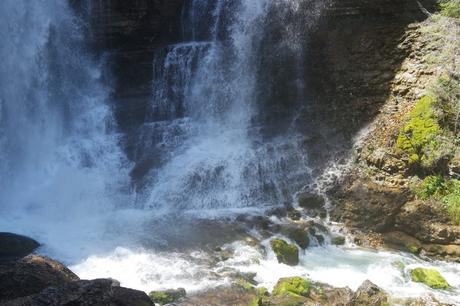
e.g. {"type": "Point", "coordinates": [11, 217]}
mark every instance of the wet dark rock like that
{"type": "Point", "coordinates": [298, 234]}
{"type": "Point", "coordinates": [320, 239]}
{"type": "Point", "coordinates": [31, 275]}
{"type": "Point", "coordinates": [13, 246]}
{"type": "Point", "coordinates": [85, 292]}
{"type": "Point", "coordinates": [311, 200]}
{"type": "Point", "coordinates": [294, 215]}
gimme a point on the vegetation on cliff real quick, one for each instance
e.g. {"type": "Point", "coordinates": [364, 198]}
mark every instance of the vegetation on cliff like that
{"type": "Point", "coordinates": [408, 167]}
{"type": "Point", "coordinates": [450, 8]}
{"type": "Point", "coordinates": [418, 139]}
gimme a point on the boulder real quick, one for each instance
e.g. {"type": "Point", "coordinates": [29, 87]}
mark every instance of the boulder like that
{"type": "Point", "coordinates": [325, 295]}
{"type": "Point", "coordinates": [369, 294]}
{"type": "Point", "coordinates": [311, 200]}
{"type": "Point", "coordinates": [292, 286]}
{"type": "Point", "coordinates": [85, 292]}
{"type": "Point", "coordinates": [298, 234]}
{"type": "Point", "coordinates": [429, 277]}
{"type": "Point", "coordinates": [285, 253]}
{"type": "Point", "coordinates": [167, 296]}
{"type": "Point", "coordinates": [368, 206]}
{"type": "Point", "coordinates": [13, 246]}
{"type": "Point", "coordinates": [31, 275]}
{"type": "Point", "coordinates": [223, 296]}
{"type": "Point", "coordinates": [428, 222]}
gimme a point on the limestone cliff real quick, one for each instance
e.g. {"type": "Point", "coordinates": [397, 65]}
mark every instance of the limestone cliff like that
{"type": "Point", "coordinates": [409, 194]}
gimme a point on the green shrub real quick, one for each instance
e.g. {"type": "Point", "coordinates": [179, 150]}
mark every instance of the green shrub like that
{"type": "Point", "coordinates": [450, 8]}
{"type": "Point", "coordinates": [431, 186]}
{"type": "Point", "coordinates": [418, 138]}
{"type": "Point", "coordinates": [446, 89]}
{"type": "Point", "coordinates": [445, 191]}
{"type": "Point", "coordinates": [452, 201]}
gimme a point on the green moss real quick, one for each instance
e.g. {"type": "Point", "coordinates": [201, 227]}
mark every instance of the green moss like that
{"type": "Point", "coordinates": [285, 253]}
{"type": "Point", "coordinates": [167, 296]}
{"type": "Point", "coordinates": [292, 286]}
{"type": "Point", "coordinates": [418, 138]}
{"type": "Point", "coordinates": [338, 240]}
{"type": "Point", "coordinates": [450, 8]}
{"type": "Point", "coordinates": [413, 248]}
{"type": "Point", "coordinates": [244, 284]}
{"type": "Point", "coordinates": [445, 191]}
{"type": "Point", "coordinates": [429, 277]}
{"type": "Point", "coordinates": [262, 298]}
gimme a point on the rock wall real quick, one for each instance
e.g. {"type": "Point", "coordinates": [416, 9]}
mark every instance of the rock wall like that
{"type": "Point", "coordinates": [378, 194]}
{"type": "Point", "coordinates": [354, 53]}
{"type": "Point", "coordinates": [352, 56]}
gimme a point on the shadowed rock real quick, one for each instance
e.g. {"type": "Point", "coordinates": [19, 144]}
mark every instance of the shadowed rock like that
{"type": "Point", "coordinates": [84, 292]}
{"type": "Point", "coordinates": [31, 275]}
{"type": "Point", "coordinates": [13, 246]}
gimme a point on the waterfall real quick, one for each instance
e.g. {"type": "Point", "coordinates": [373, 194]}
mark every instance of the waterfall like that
{"type": "Point", "coordinates": [61, 168]}
{"type": "Point", "coordinates": [209, 90]}
{"type": "Point", "coordinates": [225, 134]}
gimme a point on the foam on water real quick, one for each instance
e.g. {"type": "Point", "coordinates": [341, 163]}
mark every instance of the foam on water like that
{"type": "Point", "coordinates": [340, 267]}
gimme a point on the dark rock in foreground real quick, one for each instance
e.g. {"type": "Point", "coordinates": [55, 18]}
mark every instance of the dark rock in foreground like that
{"type": "Point", "coordinates": [31, 275]}
{"type": "Point", "coordinates": [37, 280]}
{"type": "Point", "coordinates": [84, 292]}
{"type": "Point", "coordinates": [13, 246]}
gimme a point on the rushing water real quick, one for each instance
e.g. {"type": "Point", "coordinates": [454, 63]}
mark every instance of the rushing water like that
{"type": "Point", "coordinates": [221, 126]}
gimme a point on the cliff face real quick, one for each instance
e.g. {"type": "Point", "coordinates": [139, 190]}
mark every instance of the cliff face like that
{"type": "Point", "coordinates": [352, 55]}
{"type": "Point", "coordinates": [403, 181]}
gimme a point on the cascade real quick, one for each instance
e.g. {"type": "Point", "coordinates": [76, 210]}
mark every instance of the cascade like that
{"type": "Point", "coordinates": [209, 90]}
{"type": "Point", "coordinates": [61, 167]}
{"type": "Point", "coordinates": [222, 139]}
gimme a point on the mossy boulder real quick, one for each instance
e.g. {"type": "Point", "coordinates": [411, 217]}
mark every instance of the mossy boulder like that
{"type": "Point", "coordinates": [338, 240]}
{"type": "Point", "coordinates": [167, 296]}
{"type": "Point", "coordinates": [429, 277]}
{"type": "Point", "coordinates": [310, 200]}
{"type": "Point", "coordinates": [262, 298]}
{"type": "Point", "coordinates": [285, 253]}
{"type": "Point", "coordinates": [292, 286]}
